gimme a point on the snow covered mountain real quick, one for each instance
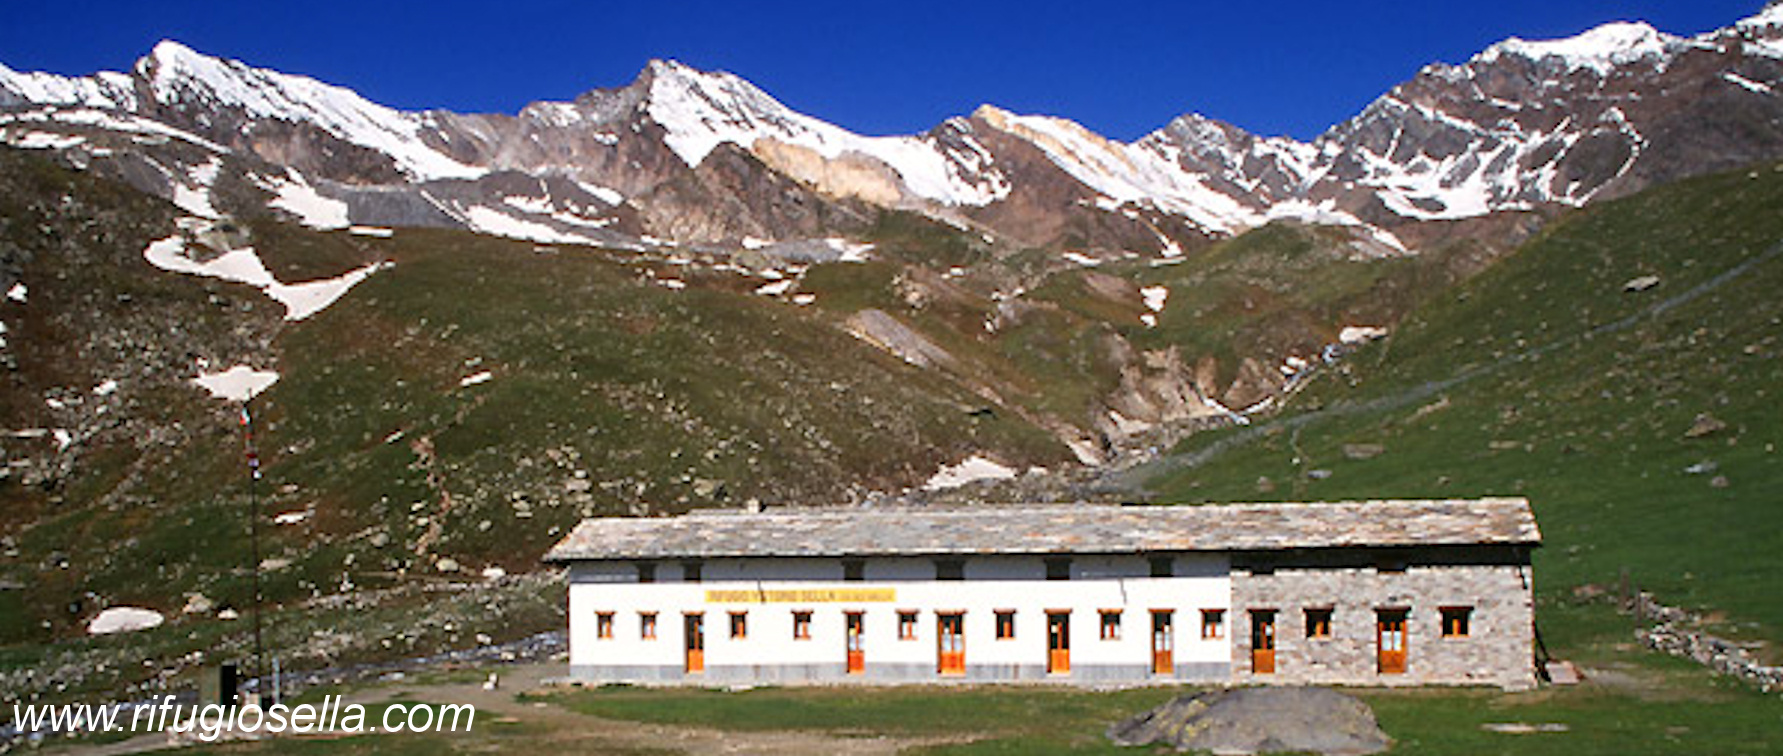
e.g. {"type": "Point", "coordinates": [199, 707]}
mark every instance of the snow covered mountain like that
{"type": "Point", "coordinates": [708, 158]}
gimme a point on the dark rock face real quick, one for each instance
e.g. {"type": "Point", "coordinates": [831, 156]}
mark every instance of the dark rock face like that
{"type": "Point", "coordinates": [1258, 720]}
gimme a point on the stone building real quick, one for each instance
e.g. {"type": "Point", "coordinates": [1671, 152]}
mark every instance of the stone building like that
{"type": "Point", "coordinates": [1364, 593]}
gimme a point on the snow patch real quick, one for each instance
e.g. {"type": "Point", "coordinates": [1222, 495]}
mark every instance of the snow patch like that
{"type": "Point", "coordinates": [124, 619]}
{"type": "Point", "coordinates": [490, 221]}
{"type": "Point", "coordinates": [301, 300]}
{"type": "Point", "coordinates": [291, 518]}
{"type": "Point", "coordinates": [373, 231]}
{"type": "Point", "coordinates": [1081, 259]}
{"type": "Point", "coordinates": [474, 379]}
{"type": "Point", "coordinates": [237, 384]}
{"type": "Point", "coordinates": [195, 197]}
{"type": "Point", "coordinates": [1359, 334]}
{"type": "Point", "coordinates": [776, 288]}
{"type": "Point", "coordinates": [971, 469]}
{"type": "Point", "coordinates": [18, 292]}
{"type": "Point", "coordinates": [1601, 49]}
{"type": "Point", "coordinates": [1742, 81]}
{"type": "Point", "coordinates": [297, 197]}
{"type": "Point", "coordinates": [1155, 297]}
{"type": "Point", "coordinates": [40, 140]}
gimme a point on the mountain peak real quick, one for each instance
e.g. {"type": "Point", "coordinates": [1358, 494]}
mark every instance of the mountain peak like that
{"type": "Point", "coordinates": [1599, 49]}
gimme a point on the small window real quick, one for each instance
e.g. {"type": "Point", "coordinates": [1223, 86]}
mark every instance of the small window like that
{"type": "Point", "coordinates": [1318, 623]}
{"type": "Point", "coordinates": [906, 625]}
{"type": "Point", "coordinates": [1005, 624]}
{"type": "Point", "coordinates": [690, 572]}
{"type": "Point", "coordinates": [1163, 566]}
{"type": "Point", "coordinates": [647, 625]}
{"type": "Point", "coordinates": [854, 570]}
{"type": "Point", "coordinates": [1456, 621]}
{"type": "Point", "coordinates": [1111, 624]}
{"type": "Point", "coordinates": [1213, 623]}
{"type": "Point", "coordinates": [950, 569]}
{"type": "Point", "coordinates": [739, 625]}
{"type": "Point", "coordinates": [603, 625]}
{"type": "Point", "coordinates": [1058, 569]}
{"type": "Point", "coordinates": [801, 625]}
{"type": "Point", "coordinates": [646, 572]}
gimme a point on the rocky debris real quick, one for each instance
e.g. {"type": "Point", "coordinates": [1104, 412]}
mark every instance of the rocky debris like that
{"type": "Point", "coordinates": [197, 603]}
{"type": "Point", "coordinates": [1524, 728]}
{"type": "Point", "coordinates": [1702, 468]}
{"type": "Point", "coordinates": [1673, 633]}
{"type": "Point", "coordinates": [1642, 283]}
{"type": "Point", "coordinates": [1363, 451]}
{"type": "Point", "coordinates": [1563, 673]}
{"type": "Point", "coordinates": [1258, 720]}
{"type": "Point", "coordinates": [1705, 425]}
{"type": "Point", "coordinates": [886, 332]}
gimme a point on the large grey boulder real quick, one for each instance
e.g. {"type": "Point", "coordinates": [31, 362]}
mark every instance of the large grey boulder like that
{"type": "Point", "coordinates": [1258, 720]}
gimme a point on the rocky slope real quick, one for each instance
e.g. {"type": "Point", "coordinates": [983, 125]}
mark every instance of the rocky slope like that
{"type": "Point", "coordinates": [1519, 126]}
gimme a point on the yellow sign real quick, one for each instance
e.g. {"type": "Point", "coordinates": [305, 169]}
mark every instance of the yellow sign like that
{"type": "Point", "coordinates": [804, 596]}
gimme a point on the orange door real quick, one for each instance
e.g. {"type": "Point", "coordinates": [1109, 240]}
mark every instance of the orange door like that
{"type": "Point", "coordinates": [1058, 642]}
{"type": "Point", "coordinates": [950, 637]}
{"type": "Point", "coordinates": [857, 652]}
{"type": "Point", "coordinates": [695, 633]}
{"type": "Point", "coordinates": [1389, 631]}
{"type": "Point", "coordinates": [1262, 642]}
{"type": "Point", "coordinates": [1163, 642]}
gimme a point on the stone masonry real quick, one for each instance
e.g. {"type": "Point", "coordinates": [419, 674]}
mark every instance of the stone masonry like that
{"type": "Point", "coordinates": [1493, 582]}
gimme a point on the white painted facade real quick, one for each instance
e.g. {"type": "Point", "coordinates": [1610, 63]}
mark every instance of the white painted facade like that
{"type": "Point", "coordinates": [889, 586]}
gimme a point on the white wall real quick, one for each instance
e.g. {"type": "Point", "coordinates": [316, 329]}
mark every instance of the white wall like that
{"type": "Point", "coordinates": [992, 583]}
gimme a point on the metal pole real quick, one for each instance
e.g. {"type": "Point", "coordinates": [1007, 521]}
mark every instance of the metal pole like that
{"type": "Point", "coordinates": [247, 420]}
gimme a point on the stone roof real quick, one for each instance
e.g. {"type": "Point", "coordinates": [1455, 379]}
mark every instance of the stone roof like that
{"type": "Point", "coordinates": [1051, 529]}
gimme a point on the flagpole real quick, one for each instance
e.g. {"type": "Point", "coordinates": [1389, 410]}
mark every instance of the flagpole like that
{"type": "Point", "coordinates": [247, 421]}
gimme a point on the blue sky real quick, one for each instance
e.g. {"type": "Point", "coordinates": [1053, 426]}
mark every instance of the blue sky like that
{"type": "Point", "coordinates": [1121, 68]}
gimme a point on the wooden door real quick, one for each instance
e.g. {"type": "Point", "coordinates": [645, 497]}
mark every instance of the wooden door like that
{"type": "Point", "coordinates": [1262, 642]}
{"type": "Point", "coordinates": [1058, 642]}
{"type": "Point", "coordinates": [1389, 631]}
{"type": "Point", "coordinates": [694, 627]}
{"type": "Point", "coordinates": [857, 651]}
{"type": "Point", "coordinates": [950, 637]}
{"type": "Point", "coordinates": [1163, 642]}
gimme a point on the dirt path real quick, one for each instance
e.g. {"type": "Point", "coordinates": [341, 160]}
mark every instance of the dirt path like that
{"type": "Point", "coordinates": [560, 726]}
{"type": "Point", "coordinates": [544, 726]}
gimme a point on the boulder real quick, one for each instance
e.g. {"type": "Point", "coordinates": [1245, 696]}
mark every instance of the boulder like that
{"type": "Point", "coordinates": [1258, 720]}
{"type": "Point", "coordinates": [1705, 425]}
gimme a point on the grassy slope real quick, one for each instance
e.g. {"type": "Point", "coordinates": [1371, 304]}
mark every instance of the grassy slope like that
{"type": "Point", "coordinates": [1513, 384]}
{"type": "Point", "coordinates": [610, 394]}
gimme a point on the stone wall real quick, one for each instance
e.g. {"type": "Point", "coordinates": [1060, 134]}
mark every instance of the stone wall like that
{"type": "Point", "coordinates": [1495, 582]}
{"type": "Point", "coordinates": [1673, 633]}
